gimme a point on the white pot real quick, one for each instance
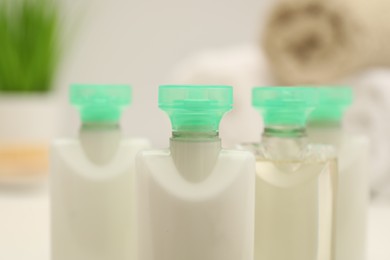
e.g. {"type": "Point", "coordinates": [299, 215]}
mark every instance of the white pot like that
{"type": "Point", "coordinates": [27, 125]}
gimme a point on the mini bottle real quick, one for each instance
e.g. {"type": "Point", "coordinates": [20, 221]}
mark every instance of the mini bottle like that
{"type": "Point", "coordinates": [325, 126]}
{"type": "Point", "coordinates": [92, 180]}
{"type": "Point", "coordinates": [295, 180]}
{"type": "Point", "coordinates": [195, 200]}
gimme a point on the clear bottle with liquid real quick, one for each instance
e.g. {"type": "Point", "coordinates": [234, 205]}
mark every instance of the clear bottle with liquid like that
{"type": "Point", "coordinates": [195, 200]}
{"type": "Point", "coordinates": [295, 180]}
{"type": "Point", "coordinates": [325, 126]}
{"type": "Point", "coordinates": [92, 193]}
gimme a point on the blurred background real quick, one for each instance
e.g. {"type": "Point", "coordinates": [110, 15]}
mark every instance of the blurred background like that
{"type": "Point", "coordinates": [47, 45]}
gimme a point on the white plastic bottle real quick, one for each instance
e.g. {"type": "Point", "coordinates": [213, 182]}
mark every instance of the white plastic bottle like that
{"type": "Point", "coordinates": [195, 200]}
{"type": "Point", "coordinates": [92, 180]}
{"type": "Point", "coordinates": [324, 126]}
{"type": "Point", "coordinates": [295, 181]}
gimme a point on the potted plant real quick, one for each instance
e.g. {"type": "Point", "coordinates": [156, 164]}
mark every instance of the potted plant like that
{"type": "Point", "coordinates": [30, 51]}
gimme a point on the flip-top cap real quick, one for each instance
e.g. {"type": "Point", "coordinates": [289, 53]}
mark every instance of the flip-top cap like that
{"type": "Point", "coordinates": [284, 105]}
{"type": "Point", "coordinates": [100, 103]}
{"type": "Point", "coordinates": [195, 107]}
{"type": "Point", "coordinates": [333, 101]}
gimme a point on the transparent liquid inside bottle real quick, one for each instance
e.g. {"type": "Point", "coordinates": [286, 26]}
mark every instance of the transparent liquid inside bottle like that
{"type": "Point", "coordinates": [295, 195]}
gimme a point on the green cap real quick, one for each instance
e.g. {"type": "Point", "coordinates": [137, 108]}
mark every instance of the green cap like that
{"type": "Point", "coordinates": [332, 103]}
{"type": "Point", "coordinates": [195, 107]}
{"type": "Point", "coordinates": [100, 103]}
{"type": "Point", "coordinates": [284, 105]}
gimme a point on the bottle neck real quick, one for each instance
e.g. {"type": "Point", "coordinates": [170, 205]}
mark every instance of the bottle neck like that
{"type": "Point", "coordinates": [195, 153]}
{"type": "Point", "coordinates": [285, 131]}
{"type": "Point", "coordinates": [100, 140]}
{"type": "Point", "coordinates": [287, 141]}
{"type": "Point", "coordinates": [196, 136]}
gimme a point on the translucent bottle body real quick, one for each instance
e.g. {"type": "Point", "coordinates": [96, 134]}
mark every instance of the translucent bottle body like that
{"type": "Point", "coordinates": [352, 197]}
{"type": "Point", "coordinates": [189, 210]}
{"type": "Point", "coordinates": [295, 200]}
{"type": "Point", "coordinates": [91, 203]}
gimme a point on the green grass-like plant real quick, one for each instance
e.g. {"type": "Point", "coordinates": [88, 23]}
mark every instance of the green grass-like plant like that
{"type": "Point", "coordinates": [29, 45]}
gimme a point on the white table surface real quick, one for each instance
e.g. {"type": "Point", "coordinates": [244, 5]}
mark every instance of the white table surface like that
{"type": "Point", "coordinates": [24, 226]}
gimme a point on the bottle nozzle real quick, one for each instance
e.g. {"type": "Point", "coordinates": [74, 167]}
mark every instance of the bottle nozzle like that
{"type": "Point", "coordinates": [333, 101]}
{"type": "Point", "coordinates": [195, 107]}
{"type": "Point", "coordinates": [100, 103]}
{"type": "Point", "coordinates": [285, 105]}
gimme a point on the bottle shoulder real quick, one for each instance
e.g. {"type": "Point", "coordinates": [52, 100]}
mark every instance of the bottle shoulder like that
{"type": "Point", "coordinates": [135, 143]}
{"type": "Point", "coordinates": [225, 154]}
{"type": "Point", "coordinates": [320, 152]}
{"type": "Point", "coordinates": [68, 155]}
{"type": "Point", "coordinates": [232, 168]}
{"type": "Point", "coordinates": [306, 153]}
{"type": "Point", "coordinates": [304, 164]}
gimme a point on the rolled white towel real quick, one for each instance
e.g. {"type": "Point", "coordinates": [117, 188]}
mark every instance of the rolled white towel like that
{"type": "Point", "coordinates": [242, 67]}
{"type": "Point", "coordinates": [370, 114]}
{"type": "Point", "coordinates": [322, 41]}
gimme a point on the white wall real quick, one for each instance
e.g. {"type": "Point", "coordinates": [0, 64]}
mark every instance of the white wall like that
{"type": "Point", "coordinates": [139, 42]}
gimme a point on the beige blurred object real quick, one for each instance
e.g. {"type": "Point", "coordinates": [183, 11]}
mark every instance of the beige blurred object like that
{"type": "Point", "coordinates": [21, 161]}
{"type": "Point", "coordinates": [320, 41]}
